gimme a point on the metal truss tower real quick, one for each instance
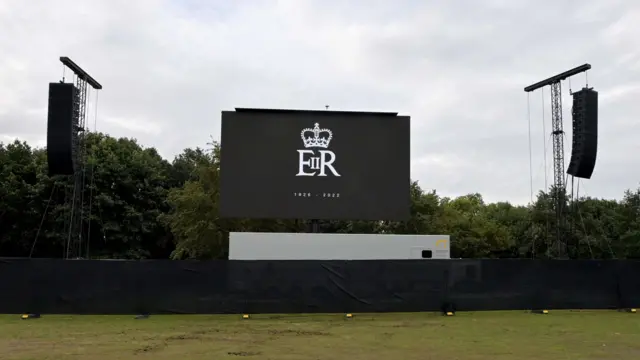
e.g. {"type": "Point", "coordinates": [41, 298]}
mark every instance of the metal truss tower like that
{"type": "Point", "coordinates": [558, 165]}
{"type": "Point", "coordinates": [79, 212]}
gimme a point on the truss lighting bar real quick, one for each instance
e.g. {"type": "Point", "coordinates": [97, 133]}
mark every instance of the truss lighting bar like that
{"type": "Point", "coordinates": [81, 73]}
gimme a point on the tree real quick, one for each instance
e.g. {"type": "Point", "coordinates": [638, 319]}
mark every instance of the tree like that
{"type": "Point", "coordinates": [129, 189]}
{"type": "Point", "coordinates": [143, 206]}
{"type": "Point", "coordinates": [19, 198]}
{"type": "Point", "coordinates": [194, 221]}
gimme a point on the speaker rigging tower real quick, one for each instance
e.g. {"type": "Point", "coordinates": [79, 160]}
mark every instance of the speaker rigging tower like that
{"type": "Point", "coordinates": [557, 132]}
{"type": "Point", "coordinates": [75, 198]}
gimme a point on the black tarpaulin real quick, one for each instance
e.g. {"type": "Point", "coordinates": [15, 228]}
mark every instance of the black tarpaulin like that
{"type": "Point", "coordinates": [50, 286]}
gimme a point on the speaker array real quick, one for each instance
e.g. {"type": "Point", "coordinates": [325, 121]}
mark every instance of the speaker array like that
{"type": "Point", "coordinates": [62, 122]}
{"type": "Point", "coordinates": [61, 129]}
{"type": "Point", "coordinates": [585, 133]}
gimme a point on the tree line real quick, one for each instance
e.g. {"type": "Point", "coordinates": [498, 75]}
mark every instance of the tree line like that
{"type": "Point", "coordinates": [146, 207]}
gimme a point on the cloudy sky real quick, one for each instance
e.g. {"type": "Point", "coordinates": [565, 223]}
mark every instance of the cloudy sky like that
{"type": "Point", "coordinates": [458, 67]}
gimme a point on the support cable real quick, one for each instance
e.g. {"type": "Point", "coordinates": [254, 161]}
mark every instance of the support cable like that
{"type": "Point", "coordinates": [83, 160]}
{"type": "Point", "coordinates": [530, 152]}
{"type": "Point", "coordinates": [546, 175]}
{"type": "Point", "coordinates": [584, 228]}
{"type": "Point", "coordinates": [93, 172]}
{"type": "Point", "coordinates": [586, 78]}
{"type": "Point", "coordinates": [72, 218]}
{"type": "Point", "coordinates": [44, 216]}
{"type": "Point", "coordinates": [572, 231]}
{"type": "Point", "coordinates": [544, 139]}
{"type": "Point", "coordinates": [533, 243]}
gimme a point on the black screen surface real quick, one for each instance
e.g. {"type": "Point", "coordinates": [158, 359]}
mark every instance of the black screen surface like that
{"type": "Point", "coordinates": [360, 170]}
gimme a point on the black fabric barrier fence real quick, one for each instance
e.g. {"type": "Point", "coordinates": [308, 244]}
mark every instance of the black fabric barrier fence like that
{"type": "Point", "coordinates": [215, 287]}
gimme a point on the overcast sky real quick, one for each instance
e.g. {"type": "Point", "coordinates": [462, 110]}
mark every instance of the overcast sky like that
{"type": "Point", "coordinates": [458, 67]}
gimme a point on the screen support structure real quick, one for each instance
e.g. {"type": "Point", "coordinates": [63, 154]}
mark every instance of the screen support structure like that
{"type": "Point", "coordinates": [557, 132]}
{"type": "Point", "coordinates": [314, 226]}
{"type": "Point", "coordinates": [74, 198]}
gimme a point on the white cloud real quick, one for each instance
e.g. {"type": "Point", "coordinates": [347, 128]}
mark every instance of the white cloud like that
{"type": "Point", "coordinates": [457, 67]}
{"type": "Point", "coordinates": [135, 126]}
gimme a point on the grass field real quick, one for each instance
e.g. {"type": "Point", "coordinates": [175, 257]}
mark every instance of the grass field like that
{"type": "Point", "coordinates": [487, 335]}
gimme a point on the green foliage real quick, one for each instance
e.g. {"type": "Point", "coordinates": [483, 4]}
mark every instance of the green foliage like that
{"type": "Point", "coordinates": [142, 206]}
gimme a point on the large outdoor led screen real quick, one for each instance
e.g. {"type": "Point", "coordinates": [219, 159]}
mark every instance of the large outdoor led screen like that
{"type": "Point", "coordinates": [315, 165]}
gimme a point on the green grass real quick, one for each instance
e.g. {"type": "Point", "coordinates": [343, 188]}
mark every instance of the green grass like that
{"type": "Point", "coordinates": [487, 335]}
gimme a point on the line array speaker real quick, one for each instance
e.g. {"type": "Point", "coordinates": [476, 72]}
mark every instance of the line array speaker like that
{"type": "Point", "coordinates": [61, 129]}
{"type": "Point", "coordinates": [585, 133]}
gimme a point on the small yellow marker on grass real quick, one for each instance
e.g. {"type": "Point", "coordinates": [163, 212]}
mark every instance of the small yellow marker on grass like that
{"type": "Point", "coordinates": [349, 315]}
{"type": "Point", "coordinates": [449, 313]}
{"type": "Point", "coordinates": [245, 316]}
{"type": "Point", "coordinates": [30, 316]}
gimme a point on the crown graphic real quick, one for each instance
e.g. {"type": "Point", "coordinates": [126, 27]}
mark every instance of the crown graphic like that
{"type": "Point", "coordinates": [313, 137]}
